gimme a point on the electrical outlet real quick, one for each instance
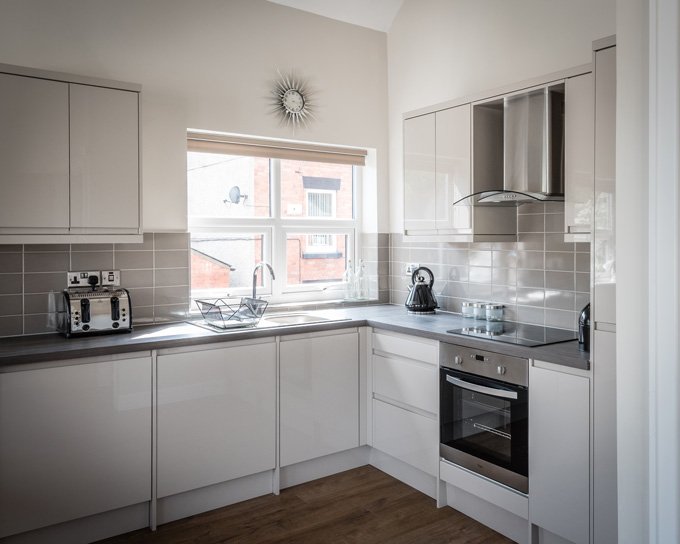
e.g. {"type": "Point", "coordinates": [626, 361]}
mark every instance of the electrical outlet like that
{"type": "Point", "coordinates": [410, 267]}
{"type": "Point", "coordinates": [80, 279]}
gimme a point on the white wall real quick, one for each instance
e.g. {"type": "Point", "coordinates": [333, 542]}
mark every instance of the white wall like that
{"type": "Point", "coordinates": [208, 64]}
{"type": "Point", "coordinates": [439, 50]}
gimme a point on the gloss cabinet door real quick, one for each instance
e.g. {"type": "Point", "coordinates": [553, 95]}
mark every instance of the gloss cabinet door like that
{"type": "Point", "coordinates": [216, 415]}
{"type": "Point", "coordinates": [74, 441]}
{"type": "Point", "coordinates": [419, 174]}
{"type": "Point", "coordinates": [319, 395]}
{"type": "Point", "coordinates": [34, 162]}
{"type": "Point", "coordinates": [104, 156]}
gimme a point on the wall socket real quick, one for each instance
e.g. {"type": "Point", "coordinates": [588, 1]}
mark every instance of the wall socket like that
{"type": "Point", "coordinates": [410, 267]}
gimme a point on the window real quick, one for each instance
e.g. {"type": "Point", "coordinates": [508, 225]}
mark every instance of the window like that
{"type": "Point", "coordinates": [292, 205]}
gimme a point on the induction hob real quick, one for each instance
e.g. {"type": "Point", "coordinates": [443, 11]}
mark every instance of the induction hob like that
{"type": "Point", "coordinates": [516, 333]}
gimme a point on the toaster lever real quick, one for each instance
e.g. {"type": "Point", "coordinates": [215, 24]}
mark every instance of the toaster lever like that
{"type": "Point", "coordinates": [85, 310]}
{"type": "Point", "coordinates": [115, 308]}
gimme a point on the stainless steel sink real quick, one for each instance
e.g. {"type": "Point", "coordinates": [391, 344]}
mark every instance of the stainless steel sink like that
{"type": "Point", "coordinates": [296, 319]}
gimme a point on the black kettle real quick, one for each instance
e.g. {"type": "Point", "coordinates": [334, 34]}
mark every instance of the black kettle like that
{"type": "Point", "coordinates": [584, 329]}
{"type": "Point", "coordinates": [421, 299]}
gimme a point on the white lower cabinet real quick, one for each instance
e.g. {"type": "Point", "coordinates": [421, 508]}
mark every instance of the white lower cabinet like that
{"type": "Point", "coordinates": [405, 399]}
{"type": "Point", "coordinates": [216, 414]}
{"type": "Point", "coordinates": [559, 453]}
{"type": "Point", "coordinates": [74, 441]}
{"type": "Point", "coordinates": [319, 395]}
{"type": "Point", "coordinates": [409, 437]}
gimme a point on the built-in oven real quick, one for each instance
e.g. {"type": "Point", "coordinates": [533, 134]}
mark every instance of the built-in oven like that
{"type": "Point", "coordinates": [484, 408]}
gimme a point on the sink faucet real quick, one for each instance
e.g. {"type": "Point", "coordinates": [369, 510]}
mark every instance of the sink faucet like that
{"type": "Point", "coordinates": [260, 265]}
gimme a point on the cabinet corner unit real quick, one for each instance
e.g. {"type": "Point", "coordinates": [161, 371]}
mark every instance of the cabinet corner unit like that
{"type": "Point", "coordinates": [70, 158]}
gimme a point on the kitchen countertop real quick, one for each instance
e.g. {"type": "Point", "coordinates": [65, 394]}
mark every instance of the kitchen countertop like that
{"type": "Point", "coordinates": [52, 347]}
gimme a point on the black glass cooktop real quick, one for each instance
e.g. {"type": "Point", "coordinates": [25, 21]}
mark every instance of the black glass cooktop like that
{"type": "Point", "coordinates": [516, 333]}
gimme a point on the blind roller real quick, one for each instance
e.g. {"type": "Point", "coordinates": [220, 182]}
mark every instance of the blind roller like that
{"type": "Point", "coordinates": [250, 147]}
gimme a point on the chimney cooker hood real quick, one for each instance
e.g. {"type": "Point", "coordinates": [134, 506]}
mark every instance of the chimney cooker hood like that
{"type": "Point", "coordinates": [518, 151]}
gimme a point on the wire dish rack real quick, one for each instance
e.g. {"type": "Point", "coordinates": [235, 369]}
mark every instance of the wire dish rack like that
{"type": "Point", "coordinates": [218, 313]}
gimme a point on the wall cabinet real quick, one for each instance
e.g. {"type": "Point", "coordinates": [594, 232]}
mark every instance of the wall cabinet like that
{"type": "Point", "coordinates": [559, 453]}
{"type": "Point", "coordinates": [74, 441]}
{"type": "Point", "coordinates": [69, 159]}
{"type": "Point", "coordinates": [406, 399]}
{"type": "Point", "coordinates": [319, 395]}
{"type": "Point", "coordinates": [216, 415]}
{"type": "Point", "coordinates": [579, 127]}
{"type": "Point", "coordinates": [437, 172]}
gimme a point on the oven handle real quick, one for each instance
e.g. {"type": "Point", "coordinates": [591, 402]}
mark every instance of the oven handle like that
{"type": "Point", "coordinates": [481, 389]}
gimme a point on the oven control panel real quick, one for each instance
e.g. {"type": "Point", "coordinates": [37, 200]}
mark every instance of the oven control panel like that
{"type": "Point", "coordinates": [514, 370]}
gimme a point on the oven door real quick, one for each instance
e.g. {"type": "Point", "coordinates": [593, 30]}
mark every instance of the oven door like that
{"type": "Point", "coordinates": [484, 427]}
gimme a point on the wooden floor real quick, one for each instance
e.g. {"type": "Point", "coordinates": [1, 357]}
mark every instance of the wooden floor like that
{"type": "Point", "coordinates": [362, 505]}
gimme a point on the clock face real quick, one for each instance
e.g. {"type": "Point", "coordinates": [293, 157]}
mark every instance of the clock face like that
{"type": "Point", "coordinates": [293, 101]}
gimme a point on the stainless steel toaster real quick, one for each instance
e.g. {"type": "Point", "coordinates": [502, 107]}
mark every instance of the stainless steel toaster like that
{"type": "Point", "coordinates": [95, 310]}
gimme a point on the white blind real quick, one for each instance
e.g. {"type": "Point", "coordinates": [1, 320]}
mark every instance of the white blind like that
{"type": "Point", "coordinates": [251, 147]}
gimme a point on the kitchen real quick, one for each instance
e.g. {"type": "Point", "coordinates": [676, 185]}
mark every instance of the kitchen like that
{"type": "Point", "coordinates": [140, 44]}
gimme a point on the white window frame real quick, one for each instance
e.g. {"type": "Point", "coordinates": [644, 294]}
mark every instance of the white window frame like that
{"type": "Point", "coordinates": [275, 229]}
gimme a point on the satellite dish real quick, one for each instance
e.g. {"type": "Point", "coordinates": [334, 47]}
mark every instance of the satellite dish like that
{"type": "Point", "coordinates": [235, 195]}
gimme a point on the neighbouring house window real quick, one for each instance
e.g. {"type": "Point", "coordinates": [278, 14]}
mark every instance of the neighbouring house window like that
{"type": "Point", "coordinates": [292, 205]}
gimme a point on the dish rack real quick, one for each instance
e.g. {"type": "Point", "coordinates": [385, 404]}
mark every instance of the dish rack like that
{"type": "Point", "coordinates": [218, 313]}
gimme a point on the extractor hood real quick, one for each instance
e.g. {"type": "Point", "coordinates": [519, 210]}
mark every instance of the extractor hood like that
{"type": "Point", "coordinates": [518, 152]}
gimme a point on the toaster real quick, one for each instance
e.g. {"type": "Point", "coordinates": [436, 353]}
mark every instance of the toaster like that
{"type": "Point", "coordinates": [94, 310]}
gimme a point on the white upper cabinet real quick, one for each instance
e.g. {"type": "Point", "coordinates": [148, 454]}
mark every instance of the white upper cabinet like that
{"type": "Point", "coordinates": [604, 249]}
{"type": "Point", "coordinates": [579, 157]}
{"type": "Point", "coordinates": [104, 159]}
{"type": "Point", "coordinates": [419, 174]}
{"type": "Point", "coordinates": [69, 159]}
{"type": "Point", "coordinates": [34, 164]}
{"type": "Point", "coordinates": [437, 172]}
{"type": "Point", "coordinates": [453, 168]}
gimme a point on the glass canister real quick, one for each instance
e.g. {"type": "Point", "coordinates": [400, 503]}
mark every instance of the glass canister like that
{"type": "Point", "coordinates": [494, 312]}
{"type": "Point", "coordinates": [467, 309]}
{"type": "Point", "coordinates": [479, 310]}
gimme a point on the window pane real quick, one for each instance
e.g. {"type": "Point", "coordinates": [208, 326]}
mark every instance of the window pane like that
{"type": "Point", "coordinates": [227, 186]}
{"type": "Point", "coordinates": [224, 261]}
{"type": "Point", "coordinates": [315, 258]}
{"type": "Point", "coordinates": [316, 189]}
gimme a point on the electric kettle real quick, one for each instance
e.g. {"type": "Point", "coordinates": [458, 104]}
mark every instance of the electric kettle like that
{"type": "Point", "coordinates": [421, 299]}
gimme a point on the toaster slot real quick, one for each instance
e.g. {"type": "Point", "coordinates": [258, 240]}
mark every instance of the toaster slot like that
{"type": "Point", "coordinates": [115, 308]}
{"type": "Point", "coordinates": [85, 310]}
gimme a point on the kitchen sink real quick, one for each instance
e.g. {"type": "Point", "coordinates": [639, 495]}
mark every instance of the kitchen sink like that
{"type": "Point", "coordinates": [296, 319]}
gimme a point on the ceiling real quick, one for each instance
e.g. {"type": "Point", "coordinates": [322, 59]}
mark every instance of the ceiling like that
{"type": "Point", "coordinates": [375, 14]}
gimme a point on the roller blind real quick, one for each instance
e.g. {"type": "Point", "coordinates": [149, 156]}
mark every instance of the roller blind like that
{"type": "Point", "coordinates": [272, 149]}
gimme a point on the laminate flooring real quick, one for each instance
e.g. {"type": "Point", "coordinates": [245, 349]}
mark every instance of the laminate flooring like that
{"type": "Point", "coordinates": [360, 506]}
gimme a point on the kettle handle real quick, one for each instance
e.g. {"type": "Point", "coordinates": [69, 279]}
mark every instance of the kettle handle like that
{"type": "Point", "coordinates": [414, 276]}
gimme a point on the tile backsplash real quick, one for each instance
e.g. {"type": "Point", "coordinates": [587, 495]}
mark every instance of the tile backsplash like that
{"type": "Point", "coordinates": [156, 272]}
{"type": "Point", "coordinates": [540, 279]}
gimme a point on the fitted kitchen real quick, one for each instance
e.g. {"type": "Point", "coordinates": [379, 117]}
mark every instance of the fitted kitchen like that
{"type": "Point", "coordinates": [235, 259]}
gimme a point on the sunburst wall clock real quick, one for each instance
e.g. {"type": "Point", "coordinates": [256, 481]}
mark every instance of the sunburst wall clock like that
{"type": "Point", "coordinates": [293, 101]}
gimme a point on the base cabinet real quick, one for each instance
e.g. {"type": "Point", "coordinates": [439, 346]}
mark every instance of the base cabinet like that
{"type": "Point", "coordinates": [74, 441]}
{"type": "Point", "coordinates": [319, 395]}
{"type": "Point", "coordinates": [216, 415]}
{"type": "Point", "coordinates": [559, 453]}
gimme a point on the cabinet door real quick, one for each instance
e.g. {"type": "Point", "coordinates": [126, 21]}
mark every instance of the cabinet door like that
{"type": "Point", "coordinates": [104, 160]}
{"type": "Point", "coordinates": [453, 182]}
{"type": "Point", "coordinates": [604, 250]}
{"type": "Point", "coordinates": [34, 164]}
{"type": "Point", "coordinates": [216, 415]}
{"type": "Point", "coordinates": [409, 437]}
{"type": "Point", "coordinates": [605, 517]}
{"type": "Point", "coordinates": [559, 453]}
{"type": "Point", "coordinates": [74, 441]}
{"type": "Point", "coordinates": [419, 173]}
{"type": "Point", "coordinates": [579, 127]}
{"type": "Point", "coordinates": [319, 396]}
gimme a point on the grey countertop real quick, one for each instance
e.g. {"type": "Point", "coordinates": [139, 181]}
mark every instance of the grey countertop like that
{"type": "Point", "coordinates": [53, 347]}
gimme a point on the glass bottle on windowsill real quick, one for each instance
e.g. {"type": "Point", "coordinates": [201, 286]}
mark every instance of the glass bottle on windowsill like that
{"type": "Point", "coordinates": [349, 282]}
{"type": "Point", "coordinates": [361, 282]}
